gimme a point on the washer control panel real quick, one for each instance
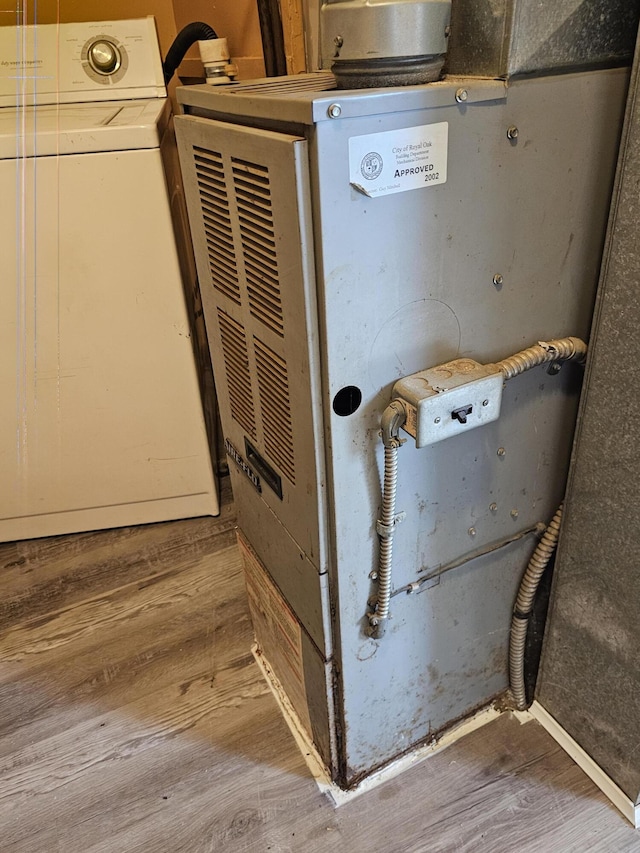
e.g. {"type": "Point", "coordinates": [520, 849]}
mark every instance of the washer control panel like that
{"type": "Point", "coordinates": [105, 59]}
{"type": "Point", "coordinates": [75, 63]}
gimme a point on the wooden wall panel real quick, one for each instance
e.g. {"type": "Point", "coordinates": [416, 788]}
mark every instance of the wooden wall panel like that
{"type": "Point", "coordinates": [237, 22]}
{"type": "Point", "coordinates": [52, 11]}
{"type": "Point", "coordinates": [293, 29]}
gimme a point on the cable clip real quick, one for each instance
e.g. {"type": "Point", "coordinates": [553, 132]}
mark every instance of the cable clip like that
{"type": "Point", "coordinates": [393, 418]}
{"type": "Point", "coordinates": [377, 625]}
{"type": "Point", "coordinates": [384, 531]}
{"type": "Point", "coordinates": [396, 441]}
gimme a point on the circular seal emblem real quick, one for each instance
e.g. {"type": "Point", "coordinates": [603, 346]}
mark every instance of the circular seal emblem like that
{"type": "Point", "coordinates": [371, 166]}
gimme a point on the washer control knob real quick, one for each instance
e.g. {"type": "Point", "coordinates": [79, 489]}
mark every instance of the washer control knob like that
{"type": "Point", "coordinates": [104, 57]}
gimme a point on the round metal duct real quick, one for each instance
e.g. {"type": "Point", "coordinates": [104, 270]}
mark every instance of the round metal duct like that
{"type": "Point", "coordinates": [384, 42]}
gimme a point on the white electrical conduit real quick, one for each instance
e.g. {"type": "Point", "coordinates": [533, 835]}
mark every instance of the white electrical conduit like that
{"type": "Point", "coordinates": [561, 349]}
{"type": "Point", "coordinates": [524, 607]}
{"type": "Point", "coordinates": [394, 416]}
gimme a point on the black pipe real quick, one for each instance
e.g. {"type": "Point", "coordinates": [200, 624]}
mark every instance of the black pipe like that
{"type": "Point", "coordinates": [193, 32]}
{"type": "Point", "coordinates": [275, 61]}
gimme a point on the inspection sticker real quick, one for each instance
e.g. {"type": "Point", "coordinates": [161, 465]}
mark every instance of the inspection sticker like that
{"type": "Point", "coordinates": [399, 160]}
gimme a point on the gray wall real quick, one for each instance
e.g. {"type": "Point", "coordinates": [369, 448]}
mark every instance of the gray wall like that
{"type": "Point", "coordinates": [590, 675]}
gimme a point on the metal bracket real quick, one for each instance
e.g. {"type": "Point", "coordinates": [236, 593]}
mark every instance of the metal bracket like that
{"type": "Point", "coordinates": [386, 530]}
{"type": "Point", "coordinates": [377, 626]}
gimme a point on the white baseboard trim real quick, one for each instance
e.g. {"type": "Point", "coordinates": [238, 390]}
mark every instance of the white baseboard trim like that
{"type": "Point", "coordinates": [608, 787]}
{"type": "Point", "coordinates": [310, 754]}
{"type": "Point", "coordinates": [536, 712]}
{"type": "Point", "coordinates": [389, 771]}
{"type": "Point", "coordinates": [416, 756]}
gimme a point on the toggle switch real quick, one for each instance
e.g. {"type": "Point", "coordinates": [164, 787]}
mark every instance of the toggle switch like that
{"type": "Point", "coordinates": [461, 414]}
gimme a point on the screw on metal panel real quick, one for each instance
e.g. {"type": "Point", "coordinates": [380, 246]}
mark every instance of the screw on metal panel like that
{"type": "Point", "coordinates": [554, 368]}
{"type": "Point", "coordinates": [512, 132]}
{"type": "Point", "coordinates": [485, 402]}
{"type": "Point", "coordinates": [461, 96]}
{"type": "Point", "coordinates": [514, 513]}
{"type": "Point", "coordinates": [447, 32]}
{"type": "Point", "coordinates": [373, 575]}
{"type": "Point", "coordinates": [338, 41]}
{"type": "Point", "coordinates": [493, 507]}
{"type": "Point", "coordinates": [413, 587]}
{"type": "Point", "coordinates": [498, 280]}
{"type": "Point", "coordinates": [436, 420]}
{"type": "Point", "coordinates": [334, 111]}
{"type": "Point", "coordinates": [501, 451]}
{"type": "Point", "coordinates": [472, 531]}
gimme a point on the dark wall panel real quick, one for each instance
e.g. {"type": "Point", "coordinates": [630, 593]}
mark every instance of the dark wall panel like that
{"type": "Point", "coordinates": [590, 675]}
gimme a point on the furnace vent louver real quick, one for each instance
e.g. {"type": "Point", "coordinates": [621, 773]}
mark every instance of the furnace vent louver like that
{"type": "Point", "coordinates": [255, 216]}
{"type": "Point", "coordinates": [236, 360]}
{"type": "Point", "coordinates": [217, 222]}
{"type": "Point", "coordinates": [264, 342]}
{"type": "Point", "coordinates": [275, 407]}
{"type": "Point", "coordinates": [319, 81]}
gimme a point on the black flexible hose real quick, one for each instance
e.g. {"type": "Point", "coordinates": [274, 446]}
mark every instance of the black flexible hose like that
{"type": "Point", "coordinates": [193, 32]}
{"type": "Point", "coordinates": [275, 61]}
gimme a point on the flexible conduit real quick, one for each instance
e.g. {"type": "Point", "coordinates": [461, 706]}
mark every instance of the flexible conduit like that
{"type": "Point", "coordinates": [524, 607]}
{"type": "Point", "coordinates": [392, 419]}
{"type": "Point", "coordinates": [561, 349]}
{"type": "Point", "coordinates": [386, 538]}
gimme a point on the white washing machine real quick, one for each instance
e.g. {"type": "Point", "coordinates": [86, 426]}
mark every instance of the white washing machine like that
{"type": "Point", "coordinates": [102, 422]}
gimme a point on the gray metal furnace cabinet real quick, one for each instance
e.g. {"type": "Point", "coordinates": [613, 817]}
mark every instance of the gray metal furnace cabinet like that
{"type": "Point", "coordinates": [322, 286]}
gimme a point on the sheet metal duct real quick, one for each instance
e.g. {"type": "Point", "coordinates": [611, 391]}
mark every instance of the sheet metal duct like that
{"type": "Point", "coordinates": [501, 38]}
{"type": "Point", "coordinates": [380, 43]}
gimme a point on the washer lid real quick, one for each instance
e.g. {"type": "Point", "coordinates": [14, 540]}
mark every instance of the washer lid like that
{"type": "Point", "coordinates": [82, 128]}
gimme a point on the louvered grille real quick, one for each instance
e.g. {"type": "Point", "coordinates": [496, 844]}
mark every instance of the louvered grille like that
{"type": "Point", "coordinates": [275, 406]}
{"type": "Point", "coordinates": [236, 361]}
{"type": "Point", "coordinates": [316, 82]}
{"type": "Point", "coordinates": [255, 215]}
{"type": "Point", "coordinates": [217, 222]}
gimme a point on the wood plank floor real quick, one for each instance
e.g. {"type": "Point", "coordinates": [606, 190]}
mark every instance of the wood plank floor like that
{"type": "Point", "coordinates": [133, 718]}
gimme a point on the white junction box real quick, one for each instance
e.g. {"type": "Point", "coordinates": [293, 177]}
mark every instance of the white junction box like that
{"type": "Point", "coordinates": [449, 399]}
